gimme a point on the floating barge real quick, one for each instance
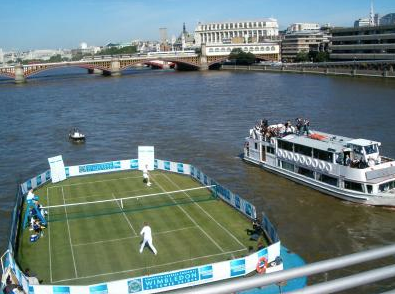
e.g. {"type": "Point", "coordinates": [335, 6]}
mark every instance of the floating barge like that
{"type": "Point", "coordinates": [91, 236]}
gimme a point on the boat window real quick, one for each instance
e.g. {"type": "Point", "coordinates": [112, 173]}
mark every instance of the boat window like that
{"type": "Point", "coordinates": [270, 149]}
{"type": "Point", "coordinates": [303, 149]}
{"type": "Point", "coordinates": [387, 186]}
{"type": "Point", "coordinates": [323, 155]}
{"type": "Point", "coordinates": [285, 145]}
{"type": "Point", "coordinates": [353, 186]}
{"type": "Point", "coordinates": [371, 149]}
{"type": "Point", "coordinates": [327, 179]}
{"type": "Point", "coordinates": [256, 146]}
{"type": "Point", "coordinates": [357, 149]}
{"type": "Point", "coordinates": [288, 166]}
{"type": "Point", "coordinates": [369, 189]}
{"type": "Point", "coordinates": [306, 172]}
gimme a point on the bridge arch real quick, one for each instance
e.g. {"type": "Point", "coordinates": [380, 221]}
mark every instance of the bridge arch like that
{"type": "Point", "coordinates": [30, 71]}
{"type": "Point", "coordinates": [191, 62]}
{"type": "Point", "coordinates": [7, 75]}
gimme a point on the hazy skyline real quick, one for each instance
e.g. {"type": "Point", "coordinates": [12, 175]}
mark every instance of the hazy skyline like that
{"type": "Point", "coordinates": [53, 24]}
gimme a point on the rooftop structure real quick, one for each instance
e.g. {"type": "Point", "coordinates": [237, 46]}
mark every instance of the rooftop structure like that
{"type": "Point", "coordinates": [236, 32]}
{"type": "Point", "coordinates": [303, 26]}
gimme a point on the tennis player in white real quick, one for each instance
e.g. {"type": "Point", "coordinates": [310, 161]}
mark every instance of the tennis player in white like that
{"type": "Point", "coordinates": [146, 175]}
{"type": "Point", "coordinates": [146, 231]}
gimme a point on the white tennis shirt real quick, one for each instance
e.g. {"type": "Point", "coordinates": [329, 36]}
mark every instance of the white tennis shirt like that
{"type": "Point", "coordinates": [146, 231]}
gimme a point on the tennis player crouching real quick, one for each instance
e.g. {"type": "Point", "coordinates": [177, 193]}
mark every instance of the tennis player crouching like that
{"type": "Point", "coordinates": [146, 232]}
{"type": "Point", "coordinates": [146, 175]}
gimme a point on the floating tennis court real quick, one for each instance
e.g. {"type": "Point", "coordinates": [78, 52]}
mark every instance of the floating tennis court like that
{"type": "Point", "coordinates": [94, 224]}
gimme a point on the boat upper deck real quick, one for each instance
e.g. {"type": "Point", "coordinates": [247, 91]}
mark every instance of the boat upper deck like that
{"type": "Point", "coordinates": [325, 141]}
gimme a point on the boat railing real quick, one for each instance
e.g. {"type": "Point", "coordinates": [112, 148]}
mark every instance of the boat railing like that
{"type": "Point", "coordinates": [385, 159]}
{"type": "Point", "coordinates": [333, 286]}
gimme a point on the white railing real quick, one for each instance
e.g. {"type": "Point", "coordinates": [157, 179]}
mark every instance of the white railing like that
{"type": "Point", "coordinates": [334, 286]}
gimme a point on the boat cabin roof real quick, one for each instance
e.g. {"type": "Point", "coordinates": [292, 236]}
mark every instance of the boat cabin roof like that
{"type": "Point", "coordinates": [362, 142]}
{"type": "Point", "coordinates": [326, 142]}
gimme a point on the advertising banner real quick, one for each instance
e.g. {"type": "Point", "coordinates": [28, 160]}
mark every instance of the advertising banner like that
{"type": "Point", "coordinates": [57, 169]}
{"type": "Point", "coordinates": [146, 157]}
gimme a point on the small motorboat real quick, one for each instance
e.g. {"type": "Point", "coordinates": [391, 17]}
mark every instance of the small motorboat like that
{"type": "Point", "coordinates": [76, 136]}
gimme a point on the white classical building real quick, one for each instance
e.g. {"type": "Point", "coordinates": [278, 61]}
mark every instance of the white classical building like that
{"type": "Point", "coordinates": [236, 32]}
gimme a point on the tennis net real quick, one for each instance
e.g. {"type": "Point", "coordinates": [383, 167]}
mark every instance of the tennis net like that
{"type": "Point", "coordinates": [114, 204]}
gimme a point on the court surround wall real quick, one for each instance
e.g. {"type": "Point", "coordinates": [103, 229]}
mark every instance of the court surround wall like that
{"type": "Point", "coordinates": [155, 283]}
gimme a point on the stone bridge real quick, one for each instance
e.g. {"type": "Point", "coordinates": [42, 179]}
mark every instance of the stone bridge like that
{"type": "Point", "coordinates": [113, 66]}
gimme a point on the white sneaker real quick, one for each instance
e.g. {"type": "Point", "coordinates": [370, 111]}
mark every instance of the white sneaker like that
{"type": "Point", "coordinates": [148, 184]}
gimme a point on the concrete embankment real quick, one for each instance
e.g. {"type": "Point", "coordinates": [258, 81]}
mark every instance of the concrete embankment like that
{"type": "Point", "coordinates": [314, 70]}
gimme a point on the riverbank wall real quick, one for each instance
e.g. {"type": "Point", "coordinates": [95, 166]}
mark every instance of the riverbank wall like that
{"type": "Point", "coordinates": [314, 70]}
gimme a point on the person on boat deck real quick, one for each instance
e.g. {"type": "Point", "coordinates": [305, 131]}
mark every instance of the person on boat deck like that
{"type": "Point", "coordinates": [306, 126]}
{"type": "Point", "coordinates": [347, 160]}
{"type": "Point", "coordinates": [299, 124]}
{"type": "Point", "coordinates": [289, 128]}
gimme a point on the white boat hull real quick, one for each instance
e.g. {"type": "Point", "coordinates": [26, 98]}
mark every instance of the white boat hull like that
{"type": "Point", "coordinates": [343, 194]}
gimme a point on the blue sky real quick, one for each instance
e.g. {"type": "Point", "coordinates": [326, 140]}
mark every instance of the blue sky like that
{"type": "Point", "coordinates": [52, 24]}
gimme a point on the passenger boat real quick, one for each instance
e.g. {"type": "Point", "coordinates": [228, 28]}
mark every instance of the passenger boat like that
{"type": "Point", "coordinates": [76, 136]}
{"type": "Point", "coordinates": [350, 169]}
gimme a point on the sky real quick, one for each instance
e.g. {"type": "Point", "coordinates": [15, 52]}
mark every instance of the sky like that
{"type": "Point", "coordinates": [55, 24]}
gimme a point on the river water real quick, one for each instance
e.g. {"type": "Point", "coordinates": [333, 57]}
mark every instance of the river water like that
{"type": "Point", "coordinates": [202, 118]}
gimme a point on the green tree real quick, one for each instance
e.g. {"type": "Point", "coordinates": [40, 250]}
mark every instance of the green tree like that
{"type": "Point", "coordinates": [116, 51]}
{"type": "Point", "coordinates": [302, 57]}
{"type": "Point", "coordinates": [55, 58]}
{"type": "Point", "coordinates": [318, 56]}
{"type": "Point", "coordinates": [241, 57]}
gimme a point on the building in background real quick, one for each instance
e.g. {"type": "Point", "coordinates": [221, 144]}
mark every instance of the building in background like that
{"type": "Point", "coordinates": [388, 19]}
{"type": "Point", "coordinates": [185, 41]}
{"type": "Point", "coordinates": [296, 41]}
{"type": "Point", "coordinates": [371, 21]}
{"type": "Point", "coordinates": [236, 32]}
{"type": "Point", "coordinates": [1, 57]}
{"type": "Point", "coordinates": [362, 22]}
{"type": "Point", "coordinates": [164, 42]}
{"type": "Point", "coordinates": [363, 43]}
{"type": "Point", "coordinates": [303, 26]}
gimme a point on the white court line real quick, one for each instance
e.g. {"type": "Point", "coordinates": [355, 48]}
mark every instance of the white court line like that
{"type": "Point", "coordinates": [148, 267]}
{"type": "Point", "coordinates": [49, 241]}
{"type": "Point", "coordinates": [187, 214]}
{"type": "Point", "coordinates": [71, 245]}
{"type": "Point", "coordinates": [100, 181]}
{"type": "Point", "coordinates": [133, 237]}
{"type": "Point", "coordinates": [225, 229]}
{"type": "Point", "coordinates": [127, 198]}
{"type": "Point", "coordinates": [100, 195]}
{"type": "Point", "coordinates": [123, 212]}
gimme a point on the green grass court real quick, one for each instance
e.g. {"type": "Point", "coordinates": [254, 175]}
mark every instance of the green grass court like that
{"type": "Point", "coordinates": [87, 244]}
